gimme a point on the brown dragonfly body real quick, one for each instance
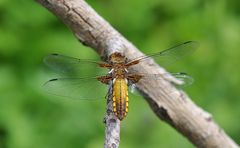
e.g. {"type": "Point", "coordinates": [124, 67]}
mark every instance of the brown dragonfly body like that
{"type": "Point", "coordinates": [118, 78]}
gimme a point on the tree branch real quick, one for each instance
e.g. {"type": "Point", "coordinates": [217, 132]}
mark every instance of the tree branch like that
{"type": "Point", "coordinates": [168, 103]}
{"type": "Point", "coordinates": [112, 125]}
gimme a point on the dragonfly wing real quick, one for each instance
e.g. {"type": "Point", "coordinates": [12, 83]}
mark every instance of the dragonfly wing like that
{"type": "Point", "coordinates": [73, 66]}
{"type": "Point", "coordinates": [172, 54]}
{"type": "Point", "coordinates": [77, 88]}
{"type": "Point", "coordinates": [183, 79]}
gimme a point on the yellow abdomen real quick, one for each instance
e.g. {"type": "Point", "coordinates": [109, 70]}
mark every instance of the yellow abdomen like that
{"type": "Point", "coordinates": [120, 98]}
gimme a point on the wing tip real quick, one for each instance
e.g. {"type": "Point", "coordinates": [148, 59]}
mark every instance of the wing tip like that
{"type": "Point", "coordinates": [192, 42]}
{"type": "Point", "coordinates": [55, 79]}
{"type": "Point", "coordinates": [51, 80]}
{"type": "Point", "coordinates": [46, 58]}
{"type": "Point", "coordinates": [54, 54]}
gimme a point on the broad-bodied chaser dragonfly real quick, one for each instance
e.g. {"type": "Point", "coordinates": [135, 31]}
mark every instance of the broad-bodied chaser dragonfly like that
{"type": "Point", "coordinates": [119, 78]}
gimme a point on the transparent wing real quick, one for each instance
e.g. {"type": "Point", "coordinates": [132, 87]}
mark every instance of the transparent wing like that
{"type": "Point", "coordinates": [77, 88]}
{"type": "Point", "coordinates": [172, 54]}
{"type": "Point", "coordinates": [184, 80]}
{"type": "Point", "coordinates": [73, 66]}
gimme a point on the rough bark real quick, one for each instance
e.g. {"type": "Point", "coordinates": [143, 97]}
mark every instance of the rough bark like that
{"type": "Point", "coordinates": [168, 103]}
{"type": "Point", "coordinates": [112, 125]}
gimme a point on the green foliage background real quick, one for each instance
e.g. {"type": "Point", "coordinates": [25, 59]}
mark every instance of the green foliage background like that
{"type": "Point", "coordinates": [31, 118]}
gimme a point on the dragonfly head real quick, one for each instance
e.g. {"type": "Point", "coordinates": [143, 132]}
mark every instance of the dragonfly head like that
{"type": "Point", "coordinates": [117, 58]}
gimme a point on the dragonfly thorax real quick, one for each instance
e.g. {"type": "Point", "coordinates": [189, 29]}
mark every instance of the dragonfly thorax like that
{"type": "Point", "coordinates": [118, 72]}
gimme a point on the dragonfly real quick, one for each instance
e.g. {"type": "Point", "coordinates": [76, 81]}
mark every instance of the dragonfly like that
{"type": "Point", "coordinates": [118, 76]}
